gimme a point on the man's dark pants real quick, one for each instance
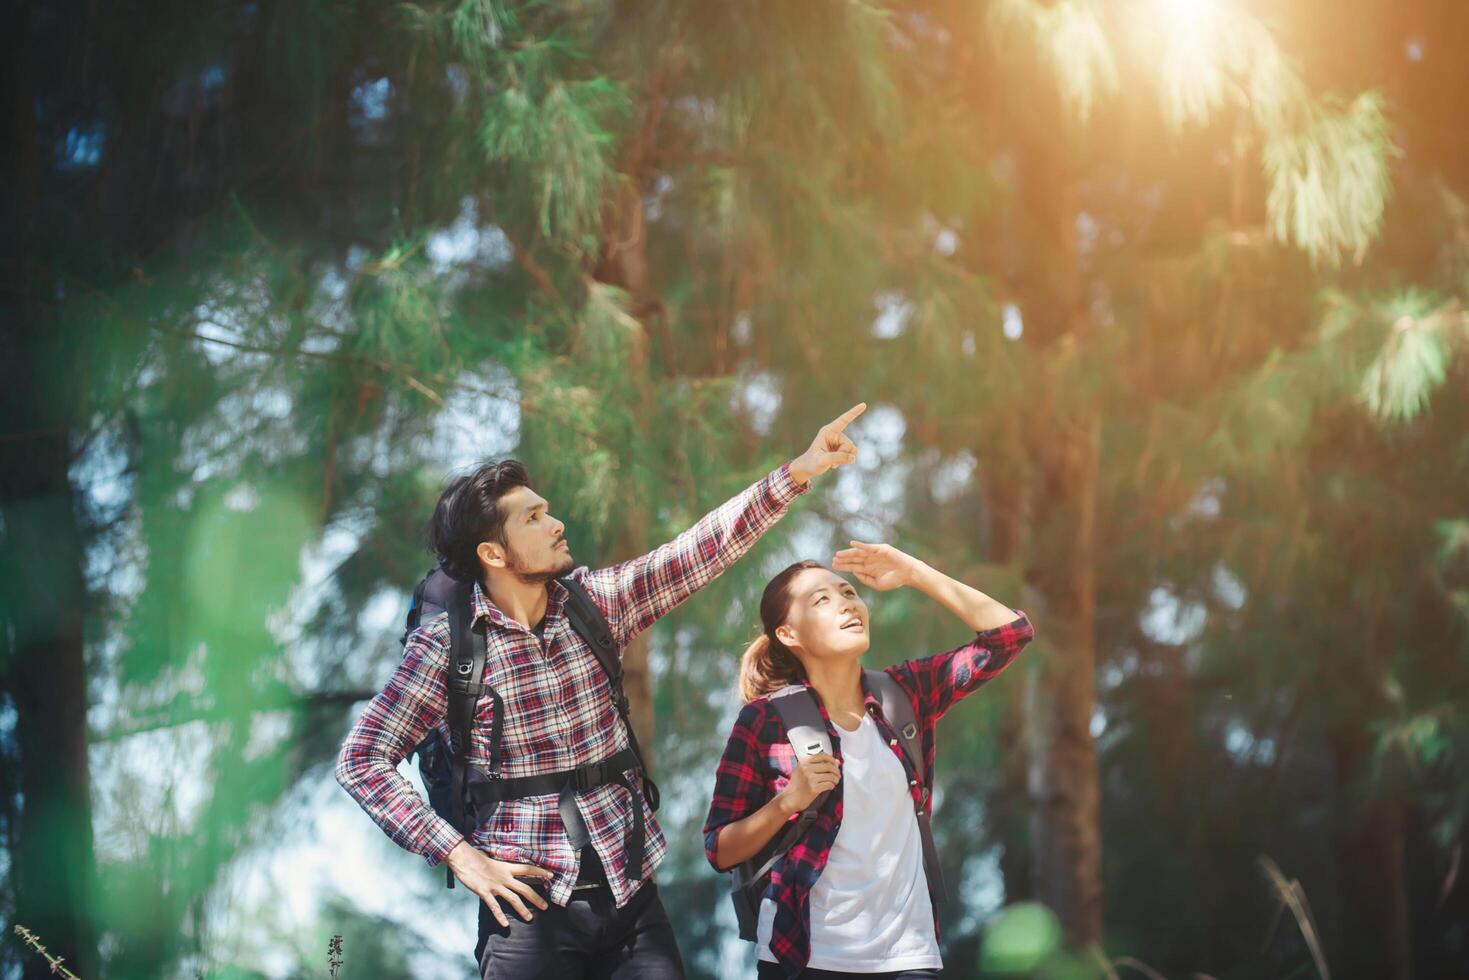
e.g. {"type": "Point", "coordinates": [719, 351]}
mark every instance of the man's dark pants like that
{"type": "Point", "coordinates": [588, 938]}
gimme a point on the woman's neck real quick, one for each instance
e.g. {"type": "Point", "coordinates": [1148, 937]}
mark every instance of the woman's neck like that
{"type": "Point", "coordinates": [840, 686]}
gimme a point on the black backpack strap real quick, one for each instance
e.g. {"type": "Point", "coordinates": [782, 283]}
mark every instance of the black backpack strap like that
{"type": "Point", "coordinates": [587, 619]}
{"type": "Point", "coordinates": [807, 732]}
{"type": "Point", "coordinates": [897, 709]}
{"type": "Point", "coordinates": [464, 684]}
{"type": "Point", "coordinates": [591, 625]}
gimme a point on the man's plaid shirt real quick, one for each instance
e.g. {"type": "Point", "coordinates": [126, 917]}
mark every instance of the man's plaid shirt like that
{"type": "Point", "coordinates": [558, 710]}
{"type": "Point", "coordinates": [758, 762]}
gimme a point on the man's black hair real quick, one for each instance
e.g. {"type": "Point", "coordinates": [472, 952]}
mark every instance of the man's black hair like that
{"type": "Point", "coordinates": [468, 513]}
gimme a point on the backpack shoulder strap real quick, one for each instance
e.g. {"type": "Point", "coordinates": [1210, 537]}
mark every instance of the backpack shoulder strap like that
{"type": "Point", "coordinates": [805, 729]}
{"type": "Point", "coordinates": [591, 625]}
{"type": "Point", "coordinates": [587, 619]}
{"type": "Point", "coordinates": [807, 733]}
{"type": "Point", "coordinates": [897, 708]}
{"type": "Point", "coordinates": [465, 684]}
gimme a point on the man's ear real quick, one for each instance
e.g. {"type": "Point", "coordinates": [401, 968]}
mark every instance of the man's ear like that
{"type": "Point", "coordinates": [491, 555]}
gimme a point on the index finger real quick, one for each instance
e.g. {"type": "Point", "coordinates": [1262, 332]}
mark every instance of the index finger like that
{"type": "Point", "coordinates": [846, 418]}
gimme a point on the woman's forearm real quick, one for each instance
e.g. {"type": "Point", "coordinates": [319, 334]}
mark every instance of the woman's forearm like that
{"type": "Point", "coordinates": [743, 839]}
{"type": "Point", "coordinates": [978, 610]}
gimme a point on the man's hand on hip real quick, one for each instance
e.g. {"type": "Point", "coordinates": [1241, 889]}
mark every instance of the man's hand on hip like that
{"type": "Point", "coordinates": [494, 881]}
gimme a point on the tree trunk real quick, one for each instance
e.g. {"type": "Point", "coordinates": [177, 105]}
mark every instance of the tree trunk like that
{"type": "Point", "coordinates": [623, 263]}
{"type": "Point", "coordinates": [1007, 809]}
{"type": "Point", "coordinates": [1372, 875]}
{"type": "Point", "coordinates": [47, 807]}
{"type": "Point", "coordinates": [53, 863]}
{"type": "Point", "coordinates": [1065, 834]}
{"type": "Point", "coordinates": [1065, 444]}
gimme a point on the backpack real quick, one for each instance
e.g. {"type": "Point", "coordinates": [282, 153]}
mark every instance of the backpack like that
{"type": "Point", "coordinates": [466, 796]}
{"type": "Point", "coordinates": [808, 735]}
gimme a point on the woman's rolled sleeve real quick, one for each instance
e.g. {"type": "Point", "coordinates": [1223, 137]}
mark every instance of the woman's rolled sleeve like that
{"type": "Point", "coordinates": [740, 781]}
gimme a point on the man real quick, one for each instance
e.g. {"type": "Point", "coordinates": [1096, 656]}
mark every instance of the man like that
{"type": "Point", "coordinates": [598, 915]}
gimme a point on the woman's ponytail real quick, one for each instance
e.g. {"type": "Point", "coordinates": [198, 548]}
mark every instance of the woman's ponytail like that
{"type": "Point", "coordinates": [766, 667]}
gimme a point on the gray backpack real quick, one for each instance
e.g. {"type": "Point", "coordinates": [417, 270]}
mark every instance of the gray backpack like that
{"type": "Point", "coordinates": [807, 734]}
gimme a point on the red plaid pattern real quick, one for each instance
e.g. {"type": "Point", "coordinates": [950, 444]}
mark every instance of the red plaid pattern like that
{"type": "Point", "coordinates": [758, 762]}
{"type": "Point", "coordinates": [558, 706]}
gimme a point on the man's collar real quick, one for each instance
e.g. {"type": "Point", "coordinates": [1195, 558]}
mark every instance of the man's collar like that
{"type": "Point", "coordinates": [484, 608]}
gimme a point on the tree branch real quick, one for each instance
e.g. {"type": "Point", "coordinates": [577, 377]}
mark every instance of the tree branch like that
{"type": "Point", "coordinates": [176, 713]}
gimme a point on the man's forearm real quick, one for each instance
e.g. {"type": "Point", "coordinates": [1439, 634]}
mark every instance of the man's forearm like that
{"type": "Point", "coordinates": [647, 588]}
{"type": "Point", "coordinates": [394, 721]}
{"type": "Point", "coordinates": [733, 528]}
{"type": "Point", "coordinates": [393, 804]}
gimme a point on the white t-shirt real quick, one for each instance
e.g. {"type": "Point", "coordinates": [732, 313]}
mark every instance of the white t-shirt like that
{"type": "Point", "coordinates": [870, 910]}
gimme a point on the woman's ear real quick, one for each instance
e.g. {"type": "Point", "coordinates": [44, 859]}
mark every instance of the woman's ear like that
{"type": "Point", "coordinates": [785, 634]}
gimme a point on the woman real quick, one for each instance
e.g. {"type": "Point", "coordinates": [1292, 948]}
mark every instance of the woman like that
{"type": "Point", "coordinates": [850, 898]}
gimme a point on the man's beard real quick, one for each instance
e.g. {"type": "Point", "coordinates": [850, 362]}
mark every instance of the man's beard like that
{"type": "Point", "coordinates": [518, 567]}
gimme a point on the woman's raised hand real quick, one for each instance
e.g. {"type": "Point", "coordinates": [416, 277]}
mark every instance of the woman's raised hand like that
{"type": "Point", "coordinates": [877, 566]}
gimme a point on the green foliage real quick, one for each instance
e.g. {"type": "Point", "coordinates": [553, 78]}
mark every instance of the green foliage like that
{"type": "Point", "coordinates": [1067, 39]}
{"type": "Point", "coordinates": [478, 27]}
{"type": "Point", "coordinates": [1412, 362]}
{"type": "Point", "coordinates": [377, 293]}
{"type": "Point", "coordinates": [558, 134]}
{"type": "Point", "coordinates": [1329, 178]}
{"type": "Point", "coordinates": [1019, 940]}
{"type": "Point", "coordinates": [1216, 56]}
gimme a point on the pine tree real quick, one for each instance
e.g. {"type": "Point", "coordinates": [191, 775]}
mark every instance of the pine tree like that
{"type": "Point", "coordinates": [1095, 271]}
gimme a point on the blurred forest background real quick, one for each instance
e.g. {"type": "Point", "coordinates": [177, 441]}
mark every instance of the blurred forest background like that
{"type": "Point", "coordinates": [1159, 306]}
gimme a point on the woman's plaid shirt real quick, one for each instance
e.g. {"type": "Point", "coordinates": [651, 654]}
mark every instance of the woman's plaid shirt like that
{"type": "Point", "coordinates": [558, 705]}
{"type": "Point", "coordinates": [758, 762]}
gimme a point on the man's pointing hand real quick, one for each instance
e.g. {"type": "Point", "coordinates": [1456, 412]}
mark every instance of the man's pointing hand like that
{"type": "Point", "coordinates": [831, 447]}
